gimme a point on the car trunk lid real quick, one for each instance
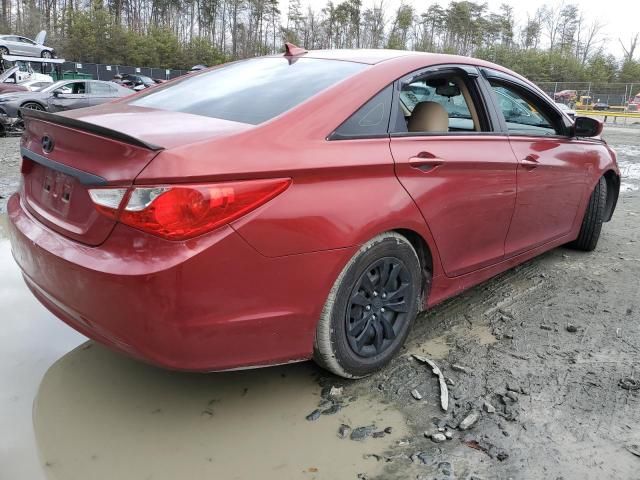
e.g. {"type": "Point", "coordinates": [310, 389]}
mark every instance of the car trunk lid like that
{"type": "Point", "coordinates": [64, 156]}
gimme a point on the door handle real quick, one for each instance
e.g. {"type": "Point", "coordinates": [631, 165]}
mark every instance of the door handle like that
{"type": "Point", "coordinates": [425, 162]}
{"type": "Point", "coordinates": [530, 161]}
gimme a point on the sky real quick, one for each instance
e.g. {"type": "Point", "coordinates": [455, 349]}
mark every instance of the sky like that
{"type": "Point", "coordinates": [620, 17]}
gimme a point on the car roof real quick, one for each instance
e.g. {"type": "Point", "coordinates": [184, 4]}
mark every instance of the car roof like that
{"type": "Point", "coordinates": [374, 56]}
{"type": "Point", "coordinates": [363, 55]}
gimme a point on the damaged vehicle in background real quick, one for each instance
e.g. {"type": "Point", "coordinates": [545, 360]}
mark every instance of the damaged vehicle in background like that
{"type": "Point", "coordinates": [137, 81]}
{"type": "Point", "coordinates": [17, 45]}
{"type": "Point", "coordinates": [62, 95]}
{"type": "Point", "coordinates": [19, 77]}
{"type": "Point", "coordinates": [302, 206]}
{"type": "Point", "coordinates": [55, 97]}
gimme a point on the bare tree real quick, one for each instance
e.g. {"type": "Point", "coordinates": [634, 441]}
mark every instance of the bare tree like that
{"type": "Point", "coordinates": [630, 52]}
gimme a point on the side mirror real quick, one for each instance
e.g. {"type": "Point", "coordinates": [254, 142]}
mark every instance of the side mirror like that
{"type": "Point", "coordinates": [57, 93]}
{"type": "Point", "coordinates": [587, 127]}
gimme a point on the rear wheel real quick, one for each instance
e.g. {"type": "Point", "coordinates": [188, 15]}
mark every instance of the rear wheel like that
{"type": "Point", "coordinates": [46, 54]}
{"type": "Point", "coordinates": [593, 219]}
{"type": "Point", "coordinates": [4, 51]}
{"type": "Point", "coordinates": [370, 308]}
{"type": "Point", "coordinates": [33, 106]}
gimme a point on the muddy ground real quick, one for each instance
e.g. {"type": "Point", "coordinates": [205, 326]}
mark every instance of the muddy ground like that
{"type": "Point", "coordinates": [550, 345]}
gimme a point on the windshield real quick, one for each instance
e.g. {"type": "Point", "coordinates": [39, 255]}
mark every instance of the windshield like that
{"type": "Point", "coordinates": [251, 91]}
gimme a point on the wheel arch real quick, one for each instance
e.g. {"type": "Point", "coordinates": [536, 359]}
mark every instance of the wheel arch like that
{"type": "Point", "coordinates": [33, 101]}
{"type": "Point", "coordinates": [613, 190]}
{"type": "Point", "coordinates": [425, 256]}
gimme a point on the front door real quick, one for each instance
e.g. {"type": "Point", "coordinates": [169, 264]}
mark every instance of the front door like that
{"type": "Point", "coordinates": [70, 96]}
{"type": "Point", "coordinates": [552, 167]}
{"type": "Point", "coordinates": [460, 174]}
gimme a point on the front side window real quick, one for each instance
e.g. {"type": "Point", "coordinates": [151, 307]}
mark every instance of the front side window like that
{"type": "Point", "coordinates": [73, 88]}
{"type": "Point", "coordinates": [437, 103]}
{"type": "Point", "coordinates": [251, 91]}
{"type": "Point", "coordinates": [524, 114]}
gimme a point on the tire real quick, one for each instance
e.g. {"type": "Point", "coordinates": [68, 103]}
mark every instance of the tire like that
{"type": "Point", "coordinates": [33, 106]}
{"type": "Point", "coordinates": [593, 218]}
{"type": "Point", "coordinates": [370, 308]}
{"type": "Point", "coordinates": [4, 51]}
{"type": "Point", "coordinates": [46, 54]}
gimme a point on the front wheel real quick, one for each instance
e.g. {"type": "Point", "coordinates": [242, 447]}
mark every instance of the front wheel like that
{"type": "Point", "coordinates": [593, 218]}
{"type": "Point", "coordinates": [4, 51]}
{"type": "Point", "coordinates": [370, 308]}
{"type": "Point", "coordinates": [46, 54]}
{"type": "Point", "coordinates": [33, 106]}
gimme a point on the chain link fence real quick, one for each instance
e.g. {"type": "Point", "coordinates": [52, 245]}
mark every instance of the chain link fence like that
{"type": "Point", "coordinates": [100, 71]}
{"type": "Point", "coordinates": [585, 94]}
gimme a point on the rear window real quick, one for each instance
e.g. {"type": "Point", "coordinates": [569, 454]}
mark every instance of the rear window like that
{"type": "Point", "coordinates": [251, 91]}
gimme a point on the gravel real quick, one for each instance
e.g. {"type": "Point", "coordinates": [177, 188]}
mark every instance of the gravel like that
{"type": "Point", "coordinates": [9, 169]}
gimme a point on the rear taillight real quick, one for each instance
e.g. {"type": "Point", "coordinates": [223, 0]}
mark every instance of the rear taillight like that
{"type": "Point", "coordinates": [180, 212]}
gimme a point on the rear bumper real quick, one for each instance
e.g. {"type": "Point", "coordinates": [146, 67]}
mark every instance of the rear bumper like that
{"type": "Point", "coordinates": [211, 303]}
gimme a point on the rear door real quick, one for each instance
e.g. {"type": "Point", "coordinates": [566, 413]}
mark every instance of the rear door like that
{"type": "Point", "coordinates": [462, 175]}
{"type": "Point", "coordinates": [552, 167]}
{"type": "Point", "coordinates": [100, 92]}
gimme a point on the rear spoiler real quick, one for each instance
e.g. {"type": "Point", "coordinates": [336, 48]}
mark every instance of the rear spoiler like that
{"type": "Point", "coordinates": [87, 127]}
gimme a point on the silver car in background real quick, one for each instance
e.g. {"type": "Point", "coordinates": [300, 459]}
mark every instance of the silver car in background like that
{"type": "Point", "coordinates": [62, 95]}
{"type": "Point", "coordinates": [17, 45]}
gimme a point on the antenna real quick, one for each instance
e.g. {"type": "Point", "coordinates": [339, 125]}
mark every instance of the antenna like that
{"type": "Point", "coordinates": [292, 50]}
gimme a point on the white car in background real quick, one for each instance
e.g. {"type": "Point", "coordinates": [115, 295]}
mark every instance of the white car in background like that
{"type": "Point", "coordinates": [570, 112]}
{"type": "Point", "coordinates": [36, 85]}
{"type": "Point", "coordinates": [17, 45]}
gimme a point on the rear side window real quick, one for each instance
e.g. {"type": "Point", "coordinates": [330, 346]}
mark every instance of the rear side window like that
{"type": "Point", "coordinates": [251, 91]}
{"type": "Point", "coordinates": [101, 89]}
{"type": "Point", "coordinates": [372, 119]}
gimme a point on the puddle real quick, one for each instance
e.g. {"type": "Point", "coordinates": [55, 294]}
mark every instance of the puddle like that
{"type": "Point", "coordinates": [100, 415]}
{"type": "Point", "coordinates": [3, 227]}
{"type": "Point", "coordinates": [438, 347]}
{"type": "Point", "coordinates": [31, 339]}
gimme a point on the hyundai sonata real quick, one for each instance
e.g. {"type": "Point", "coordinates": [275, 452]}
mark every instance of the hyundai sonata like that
{"type": "Point", "coordinates": [297, 206]}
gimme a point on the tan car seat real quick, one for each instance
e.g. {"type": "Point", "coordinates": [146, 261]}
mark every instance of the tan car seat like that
{"type": "Point", "coordinates": [428, 117]}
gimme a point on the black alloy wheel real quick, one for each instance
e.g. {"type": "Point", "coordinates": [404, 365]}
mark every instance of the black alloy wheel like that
{"type": "Point", "coordinates": [378, 307]}
{"type": "Point", "coordinates": [370, 309]}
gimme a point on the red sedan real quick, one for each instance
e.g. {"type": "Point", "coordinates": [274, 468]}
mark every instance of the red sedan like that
{"type": "Point", "coordinates": [299, 206]}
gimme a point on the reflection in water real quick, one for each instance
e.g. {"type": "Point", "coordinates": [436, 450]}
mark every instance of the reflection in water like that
{"type": "Point", "coordinates": [31, 339]}
{"type": "Point", "coordinates": [99, 415]}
